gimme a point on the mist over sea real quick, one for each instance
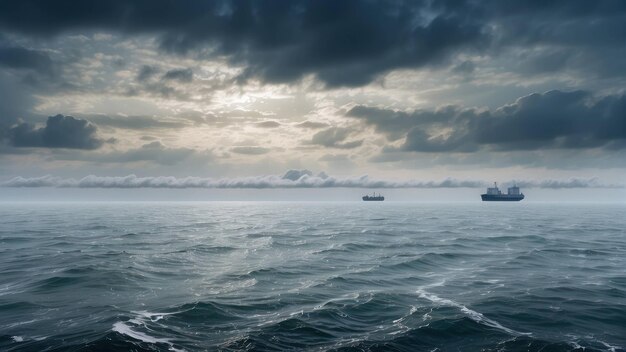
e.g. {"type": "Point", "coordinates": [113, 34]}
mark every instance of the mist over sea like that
{"type": "Point", "coordinates": [340, 276]}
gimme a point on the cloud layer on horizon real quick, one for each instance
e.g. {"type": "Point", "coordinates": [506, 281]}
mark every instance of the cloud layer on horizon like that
{"type": "Point", "coordinates": [291, 179]}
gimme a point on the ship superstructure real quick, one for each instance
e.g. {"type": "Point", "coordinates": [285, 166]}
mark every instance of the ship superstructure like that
{"type": "Point", "coordinates": [375, 198]}
{"type": "Point", "coordinates": [495, 195]}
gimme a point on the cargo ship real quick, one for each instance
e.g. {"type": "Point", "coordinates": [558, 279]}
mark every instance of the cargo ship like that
{"type": "Point", "coordinates": [374, 198]}
{"type": "Point", "coordinates": [495, 195]}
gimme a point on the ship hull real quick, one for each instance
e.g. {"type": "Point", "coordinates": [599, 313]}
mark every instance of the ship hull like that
{"type": "Point", "coordinates": [501, 198]}
{"type": "Point", "coordinates": [373, 199]}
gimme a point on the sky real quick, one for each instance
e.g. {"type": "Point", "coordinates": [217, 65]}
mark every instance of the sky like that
{"type": "Point", "coordinates": [251, 95]}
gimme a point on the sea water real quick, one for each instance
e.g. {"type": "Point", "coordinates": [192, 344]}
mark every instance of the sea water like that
{"type": "Point", "coordinates": [312, 276]}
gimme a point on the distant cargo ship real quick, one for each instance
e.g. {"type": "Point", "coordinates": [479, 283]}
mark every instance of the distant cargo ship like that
{"type": "Point", "coordinates": [374, 198]}
{"type": "Point", "coordinates": [494, 195]}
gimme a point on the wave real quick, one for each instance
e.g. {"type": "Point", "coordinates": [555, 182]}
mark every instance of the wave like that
{"type": "Point", "coordinates": [290, 334]}
{"type": "Point", "coordinates": [131, 328]}
{"type": "Point", "coordinates": [472, 314]}
{"type": "Point", "coordinates": [461, 335]}
{"type": "Point", "coordinates": [429, 262]}
{"type": "Point", "coordinates": [126, 329]}
{"type": "Point", "coordinates": [208, 249]}
{"type": "Point", "coordinates": [329, 287]}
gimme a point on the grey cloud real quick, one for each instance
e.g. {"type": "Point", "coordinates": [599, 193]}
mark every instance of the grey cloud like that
{"type": "Point", "coordinates": [135, 122]}
{"type": "Point", "coordinates": [544, 61]}
{"type": "Point", "coordinates": [555, 36]}
{"type": "Point", "coordinates": [162, 90]}
{"type": "Point", "coordinates": [16, 101]}
{"type": "Point", "coordinates": [553, 119]}
{"type": "Point", "coordinates": [419, 139]}
{"type": "Point", "coordinates": [349, 145]}
{"type": "Point", "coordinates": [465, 68]}
{"type": "Point", "coordinates": [334, 137]}
{"type": "Point", "coordinates": [346, 43]}
{"type": "Point", "coordinates": [342, 43]}
{"type": "Point", "coordinates": [561, 22]}
{"type": "Point", "coordinates": [557, 159]}
{"type": "Point", "coordinates": [250, 150]}
{"type": "Point", "coordinates": [22, 58]}
{"type": "Point", "coordinates": [154, 152]}
{"type": "Point", "coordinates": [146, 73]}
{"type": "Point", "coordinates": [268, 124]}
{"type": "Point", "coordinates": [342, 158]}
{"type": "Point", "coordinates": [238, 113]}
{"type": "Point", "coordinates": [368, 39]}
{"type": "Point", "coordinates": [60, 132]}
{"type": "Point", "coordinates": [305, 179]}
{"type": "Point", "coordinates": [183, 75]}
{"type": "Point", "coordinates": [396, 124]}
{"type": "Point", "coordinates": [295, 174]}
{"type": "Point", "coordinates": [146, 82]}
{"type": "Point", "coordinates": [312, 125]}
{"type": "Point", "coordinates": [338, 161]}
{"type": "Point", "coordinates": [158, 88]}
{"type": "Point", "coordinates": [556, 119]}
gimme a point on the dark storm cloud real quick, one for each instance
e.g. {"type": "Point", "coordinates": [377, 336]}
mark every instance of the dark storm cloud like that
{"type": "Point", "coordinates": [556, 119]}
{"type": "Point", "coordinates": [25, 59]}
{"type": "Point", "coordinates": [335, 137]}
{"type": "Point", "coordinates": [550, 120]}
{"type": "Point", "coordinates": [553, 36]}
{"type": "Point", "coordinates": [15, 101]}
{"type": "Point", "coordinates": [60, 132]}
{"type": "Point", "coordinates": [343, 43]}
{"type": "Point", "coordinates": [396, 124]}
{"type": "Point", "coordinates": [560, 22]}
{"type": "Point", "coordinates": [183, 75]}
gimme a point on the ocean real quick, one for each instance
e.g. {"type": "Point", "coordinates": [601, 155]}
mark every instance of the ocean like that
{"type": "Point", "coordinates": [316, 276]}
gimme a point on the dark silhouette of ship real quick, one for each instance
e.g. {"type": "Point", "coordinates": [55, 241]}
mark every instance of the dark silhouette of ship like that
{"type": "Point", "coordinates": [374, 198]}
{"type": "Point", "coordinates": [495, 195]}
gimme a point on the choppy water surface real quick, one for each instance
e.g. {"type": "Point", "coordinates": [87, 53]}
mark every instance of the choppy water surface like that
{"type": "Point", "coordinates": [312, 276]}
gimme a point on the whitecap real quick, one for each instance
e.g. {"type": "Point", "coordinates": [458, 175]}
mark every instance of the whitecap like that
{"type": "Point", "coordinates": [124, 329]}
{"type": "Point", "coordinates": [575, 345]}
{"type": "Point", "coordinates": [17, 338]}
{"type": "Point", "coordinates": [154, 317]}
{"type": "Point", "coordinates": [610, 347]}
{"type": "Point", "coordinates": [472, 314]}
{"type": "Point", "coordinates": [19, 323]}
